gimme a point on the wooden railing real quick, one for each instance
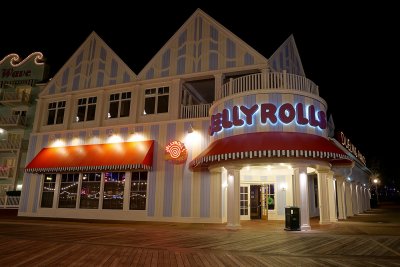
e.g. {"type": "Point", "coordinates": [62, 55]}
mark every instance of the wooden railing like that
{"type": "Point", "coordinates": [12, 120]}
{"type": "Point", "coordinates": [268, 80]}
{"type": "Point", "coordinates": [195, 111]}
{"type": "Point", "coordinates": [10, 145]}
{"type": "Point", "coordinates": [9, 201]}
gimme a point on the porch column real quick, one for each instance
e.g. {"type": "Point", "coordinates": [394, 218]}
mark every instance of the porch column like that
{"type": "Point", "coordinates": [127, 191]}
{"type": "Point", "coordinates": [359, 197]}
{"type": "Point", "coordinates": [341, 197]}
{"type": "Point", "coordinates": [368, 199]}
{"type": "Point", "coordinates": [349, 201]}
{"type": "Point", "coordinates": [218, 82]}
{"type": "Point", "coordinates": [217, 194]}
{"type": "Point", "coordinates": [332, 198]}
{"type": "Point", "coordinates": [233, 216]}
{"type": "Point", "coordinates": [354, 197]}
{"type": "Point", "coordinates": [323, 195]}
{"type": "Point", "coordinates": [300, 196]}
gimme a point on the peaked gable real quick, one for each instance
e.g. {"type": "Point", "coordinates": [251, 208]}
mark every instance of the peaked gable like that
{"type": "Point", "coordinates": [94, 64]}
{"type": "Point", "coordinates": [287, 57]}
{"type": "Point", "coordinates": [201, 44]}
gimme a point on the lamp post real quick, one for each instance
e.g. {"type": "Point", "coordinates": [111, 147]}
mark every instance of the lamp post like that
{"type": "Point", "coordinates": [376, 181]}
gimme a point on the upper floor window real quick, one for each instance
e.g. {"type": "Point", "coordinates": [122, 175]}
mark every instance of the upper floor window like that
{"type": "Point", "coordinates": [56, 113]}
{"type": "Point", "coordinates": [86, 109]}
{"type": "Point", "coordinates": [120, 105]}
{"type": "Point", "coordinates": [156, 100]}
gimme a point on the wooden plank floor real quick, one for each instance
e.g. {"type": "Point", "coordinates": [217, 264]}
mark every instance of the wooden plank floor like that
{"type": "Point", "coordinates": [360, 241]}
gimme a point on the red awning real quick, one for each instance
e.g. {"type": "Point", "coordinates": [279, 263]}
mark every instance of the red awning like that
{"type": "Point", "coordinates": [269, 145]}
{"type": "Point", "coordinates": [117, 156]}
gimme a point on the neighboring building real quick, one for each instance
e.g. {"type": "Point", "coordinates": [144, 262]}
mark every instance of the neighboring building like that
{"type": "Point", "coordinates": [19, 89]}
{"type": "Point", "coordinates": [209, 131]}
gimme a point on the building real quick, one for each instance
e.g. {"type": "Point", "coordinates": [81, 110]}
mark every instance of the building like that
{"type": "Point", "coordinates": [19, 88]}
{"type": "Point", "coordinates": [209, 131]}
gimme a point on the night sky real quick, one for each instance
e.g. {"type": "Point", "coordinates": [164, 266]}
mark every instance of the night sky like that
{"type": "Point", "coordinates": [348, 51]}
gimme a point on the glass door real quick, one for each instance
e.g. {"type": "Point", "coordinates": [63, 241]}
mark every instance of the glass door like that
{"type": "Point", "coordinates": [244, 202]}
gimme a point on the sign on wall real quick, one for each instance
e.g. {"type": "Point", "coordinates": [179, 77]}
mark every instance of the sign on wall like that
{"type": "Point", "coordinates": [176, 152]}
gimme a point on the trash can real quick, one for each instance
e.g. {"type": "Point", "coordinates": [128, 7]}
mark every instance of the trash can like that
{"type": "Point", "coordinates": [292, 218]}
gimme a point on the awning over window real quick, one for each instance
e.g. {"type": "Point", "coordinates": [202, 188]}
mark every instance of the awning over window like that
{"type": "Point", "coordinates": [117, 156]}
{"type": "Point", "coordinates": [269, 145]}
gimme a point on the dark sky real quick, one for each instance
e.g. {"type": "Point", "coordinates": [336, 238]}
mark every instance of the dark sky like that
{"type": "Point", "coordinates": [348, 51]}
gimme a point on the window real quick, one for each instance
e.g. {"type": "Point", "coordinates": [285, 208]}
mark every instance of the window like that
{"type": "Point", "coordinates": [113, 190]}
{"type": "Point", "coordinates": [138, 191]}
{"type": "Point", "coordinates": [120, 105]}
{"type": "Point", "coordinates": [90, 191]}
{"type": "Point", "coordinates": [86, 109]}
{"type": "Point", "coordinates": [49, 184]}
{"type": "Point", "coordinates": [271, 196]}
{"type": "Point", "coordinates": [56, 113]}
{"type": "Point", "coordinates": [156, 100]}
{"type": "Point", "coordinates": [68, 190]}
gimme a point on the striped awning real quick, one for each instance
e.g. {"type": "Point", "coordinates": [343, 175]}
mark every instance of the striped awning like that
{"type": "Point", "coordinates": [269, 145]}
{"type": "Point", "coordinates": [98, 157]}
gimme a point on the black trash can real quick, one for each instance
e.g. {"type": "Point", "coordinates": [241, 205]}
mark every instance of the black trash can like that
{"type": "Point", "coordinates": [292, 218]}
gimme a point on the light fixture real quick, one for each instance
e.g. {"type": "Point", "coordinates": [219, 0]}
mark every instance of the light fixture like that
{"type": "Point", "coordinates": [190, 129]}
{"type": "Point", "coordinates": [108, 115]}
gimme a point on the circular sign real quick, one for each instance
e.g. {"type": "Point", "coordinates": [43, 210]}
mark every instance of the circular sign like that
{"type": "Point", "coordinates": [176, 152]}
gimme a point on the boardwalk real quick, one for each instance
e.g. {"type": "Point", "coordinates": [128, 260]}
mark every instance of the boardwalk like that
{"type": "Point", "coordinates": [372, 239]}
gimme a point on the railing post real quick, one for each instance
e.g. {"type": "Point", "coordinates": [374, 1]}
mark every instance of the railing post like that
{"type": "Point", "coordinates": [265, 78]}
{"type": "Point", "coordinates": [285, 79]}
{"type": "Point", "coordinates": [230, 86]}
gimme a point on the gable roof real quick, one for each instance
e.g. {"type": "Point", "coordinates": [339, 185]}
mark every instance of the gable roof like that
{"type": "Point", "coordinates": [201, 44]}
{"type": "Point", "coordinates": [94, 64]}
{"type": "Point", "coordinates": [287, 57]}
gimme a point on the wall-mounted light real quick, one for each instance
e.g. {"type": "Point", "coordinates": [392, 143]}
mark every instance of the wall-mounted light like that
{"type": "Point", "coordinates": [190, 129]}
{"type": "Point", "coordinates": [283, 186]}
{"type": "Point", "coordinates": [108, 115]}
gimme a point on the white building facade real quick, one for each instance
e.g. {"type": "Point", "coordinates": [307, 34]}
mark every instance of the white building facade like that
{"type": "Point", "coordinates": [209, 131]}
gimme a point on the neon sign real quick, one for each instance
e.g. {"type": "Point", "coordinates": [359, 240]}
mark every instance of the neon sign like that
{"type": "Point", "coordinates": [269, 114]}
{"type": "Point", "coordinates": [176, 152]}
{"type": "Point", "coordinates": [350, 147]}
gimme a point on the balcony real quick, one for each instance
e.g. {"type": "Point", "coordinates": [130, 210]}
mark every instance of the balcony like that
{"type": "Point", "coordinates": [14, 99]}
{"type": "Point", "coordinates": [10, 146]}
{"type": "Point", "coordinates": [12, 121]}
{"type": "Point", "coordinates": [267, 81]}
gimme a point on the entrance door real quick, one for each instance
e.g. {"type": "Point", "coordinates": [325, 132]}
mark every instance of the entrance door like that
{"type": "Point", "coordinates": [244, 202]}
{"type": "Point", "coordinates": [255, 202]}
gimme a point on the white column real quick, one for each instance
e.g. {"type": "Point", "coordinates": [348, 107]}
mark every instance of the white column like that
{"type": "Point", "coordinates": [56, 190]}
{"type": "Point", "coordinates": [101, 195]}
{"type": "Point", "coordinates": [127, 190]}
{"type": "Point", "coordinates": [218, 81]}
{"type": "Point", "coordinates": [341, 197]}
{"type": "Point", "coordinates": [332, 198]}
{"type": "Point", "coordinates": [323, 196]}
{"type": "Point", "coordinates": [233, 216]}
{"type": "Point", "coordinates": [300, 196]}
{"type": "Point", "coordinates": [368, 199]}
{"type": "Point", "coordinates": [359, 197]}
{"type": "Point", "coordinates": [349, 199]}
{"type": "Point", "coordinates": [78, 193]}
{"type": "Point", "coordinates": [354, 197]}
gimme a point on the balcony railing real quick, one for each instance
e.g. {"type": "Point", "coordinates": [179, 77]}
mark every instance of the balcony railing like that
{"type": "Point", "coordinates": [268, 80]}
{"type": "Point", "coordinates": [13, 98]}
{"type": "Point", "coordinates": [6, 172]}
{"type": "Point", "coordinates": [12, 121]}
{"type": "Point", "coordinates": [9, 201]}
{"type": "Point", "coordinates": [195, 111]}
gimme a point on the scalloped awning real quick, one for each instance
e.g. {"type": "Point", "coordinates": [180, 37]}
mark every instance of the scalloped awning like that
{"type": "Point", "coordinates": [98, 157]}
{"type": "Point", "coordinates": [269, 145]}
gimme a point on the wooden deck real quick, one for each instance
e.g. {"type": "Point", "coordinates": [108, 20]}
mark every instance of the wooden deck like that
{"type": "Point", "coordinates": [365, 240]}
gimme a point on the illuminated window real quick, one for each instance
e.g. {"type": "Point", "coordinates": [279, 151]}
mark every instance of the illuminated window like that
{"type": "Point", "coordinates": [49, 184]}
{"type": "Point", "coordinates": [156, 100]}
{"type": "Point", "coordinates": [269, 196]}
{"type": "Point", "coordinates": [90, 191]}
{"type": "Point", "coordinates": [138, 191]}
{"type": "Point", "coordinates": [86, 109]}
{"type": "Point", "coordinates": [56, 113]}
{"type": "Point", "coordinates": [68, 190]}
{"type": "Point", "coordinates": [120, 105]}
{"type": "Point", "coordinates": [113, 190]}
